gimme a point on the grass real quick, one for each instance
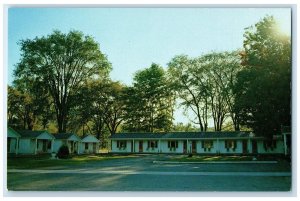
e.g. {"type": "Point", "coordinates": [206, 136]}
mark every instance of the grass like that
{"type": "Point", "coordinates": [44, 161]}
{"type": "Point", "coordinates": [197, 158]}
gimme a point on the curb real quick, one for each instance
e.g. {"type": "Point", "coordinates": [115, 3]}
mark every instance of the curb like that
{"type": "Point", "coordinates": [217, 162]}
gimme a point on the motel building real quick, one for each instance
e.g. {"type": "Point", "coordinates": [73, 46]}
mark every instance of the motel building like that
{"type": "Point", "coordinates": [196, 143]}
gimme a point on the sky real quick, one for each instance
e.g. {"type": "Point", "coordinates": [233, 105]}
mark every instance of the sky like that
{"type": "Point", "coordinates": [134, 38]}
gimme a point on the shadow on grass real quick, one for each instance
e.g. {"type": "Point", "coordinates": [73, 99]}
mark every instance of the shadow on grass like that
{"type": "Point", "coordinates": [42, 161]}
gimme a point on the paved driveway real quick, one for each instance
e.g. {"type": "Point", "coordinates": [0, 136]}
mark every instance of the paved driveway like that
{"type": "Point", "coordinates": [141, 174]}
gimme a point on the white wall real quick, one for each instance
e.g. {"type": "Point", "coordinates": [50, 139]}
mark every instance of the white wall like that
{"type": "Point", "coordinates": [145, 146]}
{"type": "Point", "coordinates": [164, 147]}
{"type": "Point", "coordinates": [90, 149]}
{"type": "Point", "coordinates": [218, 147]}
{"type": "Point", "coordinates": [57, 144]}
{"type": "Point", "coordinates": [26, 146]}
{"type": "Point", "coordinates": [278, 150]}
{"type": "Point", "coordinates": [237, 150]}
{"type": "Point", "coordinates": [13, 145]}
{"type": "Point", "coordinates": [114, 147]}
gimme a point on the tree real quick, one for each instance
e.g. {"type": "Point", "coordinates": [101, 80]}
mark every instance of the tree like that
{"type": "Point", "coordinates": [191, 90]}
{"type": "Point", "coordinates": [20, 114]}
{"type": "Point", "coordinates": [205, 86]}
{"type": "Point", "coordinates": [221, 70]}
{"type": "Point", "coordinates": [149, 105]}
{"type": "Point", "coordinates": [263, 92]}
{"type": "Point", "coordinates": [116, 107]}
{"type": "Point", "coordinates": [60, 64]}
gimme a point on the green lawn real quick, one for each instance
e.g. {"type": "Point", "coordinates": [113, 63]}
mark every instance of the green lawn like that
{"type": "Point", "coordinates": [34, 162]}
{"type": "Point", "coordinates": [196, 158]}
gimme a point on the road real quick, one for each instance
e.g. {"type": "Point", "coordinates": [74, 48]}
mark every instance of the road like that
{"type": "Point", "coordinates": [141, 174]}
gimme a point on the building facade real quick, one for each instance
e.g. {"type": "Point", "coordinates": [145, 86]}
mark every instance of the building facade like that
{"type": "Point", "coordinates": [196, 143]}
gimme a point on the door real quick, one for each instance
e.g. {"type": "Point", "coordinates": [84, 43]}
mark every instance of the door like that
{"type": "Point", "coordinates": [132, 144]}
{"type": "Point", "coordinates": [140, 146]}
{"type": "Point", "coordinates": [8, 144]}
{"type": "Point", "coordinates": [45, 147]}
{"type": "Point", "coordinates": [194, 147]}
{"type": "Point", "coordinates": [184, 147]}
{"type": "Point", "coordinates": [94, 147]}
{"type": "Point", "coordinates": [245, 147]}
{"type": "Point", "coordinates": [254, 147]}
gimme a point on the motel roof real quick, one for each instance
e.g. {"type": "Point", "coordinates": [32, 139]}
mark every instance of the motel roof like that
{"type": "Point", "coordinates": [184, 135]}
{"type": "Point", "coordinates": [12, 133]}
{"type": "Point", "coordinates": [65, 136]}
{"type": "Point", "coordinates": [33, 134]}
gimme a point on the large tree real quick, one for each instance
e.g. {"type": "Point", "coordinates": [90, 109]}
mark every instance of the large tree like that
{"type": "Point", "coordinates": [149, 102]}
{"type": "Point", "coordinates": [204, 86]}
{"type": "Point", "coordinates": [191, 90]}
{"type": "Point", "coordinates": [60, 63]}
{"type": "Point", "coordinates": [263, 89]}
{"type": "Point", "coordinates": [221, 70]}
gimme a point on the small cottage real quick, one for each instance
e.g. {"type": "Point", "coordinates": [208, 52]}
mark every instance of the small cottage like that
{"type": "Point", "coordinates": [13, 138]}
{"type": "Point", "coordinates": [35, 142]}
{"type": "Point", "coordinates": [89, 144]}
{"type": "Point", "coordinates": [69, 139]}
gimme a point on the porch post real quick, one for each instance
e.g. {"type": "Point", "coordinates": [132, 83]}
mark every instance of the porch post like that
{"type": "Point", "coordinates": [78, 147]}
{"type": "Point", "coordinates": [17, 146]}
{"type": "Point", "coordinates": [36, 142]}
{"type": "Point", "coordinates": [249, 146]}
{"type": "Point", "coordinates": [133, 145]}
{"type": "Point", "coordinates": [52, 145]}
{"type": "Point", "coordinates": [159, 149]}
{"type": "Point", "coordinates": [187, 146]}
{"type": "Point", "coordinates": [218, 146]}
{"type": "Point", "coordinates": [67, 142]}
{"type": "Point", "coordinates": [284, 141]}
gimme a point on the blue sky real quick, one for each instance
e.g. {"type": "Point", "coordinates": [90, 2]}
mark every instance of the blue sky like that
{"type": "Point", "coordinates": [133, 38]}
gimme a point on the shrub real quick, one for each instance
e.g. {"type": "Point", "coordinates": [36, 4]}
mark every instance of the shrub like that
{"type": "Point", "coordinates": [63, 152]}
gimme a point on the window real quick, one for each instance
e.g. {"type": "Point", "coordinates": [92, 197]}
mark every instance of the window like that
{"type": "Point", "coordinates": [86, 146]}
{"type": "Point", "coordinates": [152, 144]}
{"type": "Point", "coordinates": [173, 145]}
{"type": "Point", "coordinates": [49, 145]}
{"type": "Point", "coordinates": [207, 145]}
{"type": "Point", "coordinates": [121, 144]}
{"type": "Point", "coordinates": [8, 144]}
{"type": "Point", "coordinates": [270, 144]}
{"type": "Point", "coordinates": [230, 144]}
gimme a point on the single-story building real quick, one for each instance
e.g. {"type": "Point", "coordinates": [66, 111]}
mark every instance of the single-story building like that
{"type": "Point", "coordinates": [195, 142]}
{"type": "Point", "coordinates": [69, 139]}
{"type": "Point", "coordinates": [13, 138]}
{"type": "Point", "coordinates": [89, 144]}
{"type": "Point", "coordinates": [35, 142]}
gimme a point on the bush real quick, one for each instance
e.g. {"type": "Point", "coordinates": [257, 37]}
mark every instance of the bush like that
{"type": "Point", "coordinates": [63, 152]}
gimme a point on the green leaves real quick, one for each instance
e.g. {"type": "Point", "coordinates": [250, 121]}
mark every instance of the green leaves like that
{"type": "Point", "coordinates": [61, 63]}
{"type": "Point", "coordinates": [149, 103]}
{"type": "Point", "coordinates": [263, 87]}
{"type": "Point", "coordinates": [204, 85]}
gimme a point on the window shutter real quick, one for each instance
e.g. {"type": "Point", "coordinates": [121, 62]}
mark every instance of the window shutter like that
{"type": "Point", "coordinates": [176, 144]}
{"type": "Point", "coordinates": [168, 144]}
{"type": "Point", "coordinates": [265, 145]}
{"type": "Point", "coordinates": [202, 143]}
{"type": "Point", "coordinates": [226, 144]}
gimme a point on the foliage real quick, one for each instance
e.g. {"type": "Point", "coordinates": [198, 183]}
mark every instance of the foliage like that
{"type": "Point", "coordinates": [205, 86]}
{"type": "Point", "coordinates": [101, 109]}
{"type": "Point", "coordinates": [184, 127]}
{"type": "Point", "coordinates": [63, 152]}
{"type": "Point", "coordinates": [59, 64]}
{"type": "Point", "coordinates": [149, 103]}
{"type": "Point", "coordinates": [263, 93]}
